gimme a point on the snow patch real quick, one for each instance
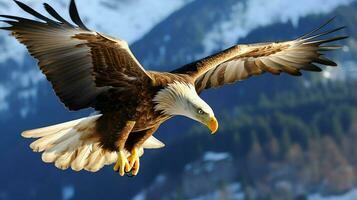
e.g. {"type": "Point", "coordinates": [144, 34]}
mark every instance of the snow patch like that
{"type": "Point", "coordinates": [4, 93]}
{"type": "Point", "coordinates": [26, 79]}
{"type": "Point", "coordinates": [351, 195]}
{"type": "Point", "coordinates": [160, 179]}
{"type": "Point", "coordinates": [215, 156]}
{"type": "Point", "coordinates": [209, 160]}
{"type": "Point", "coordinates": [140, 196]}
{"type": "Point", "coordinates": [245, 17]}
{"type": "Point", "coordinates": [68, 192]}
{"type": "Point", "coordinates": [158, 182]}
{"type": "Point", "coordinates": [232, 191]}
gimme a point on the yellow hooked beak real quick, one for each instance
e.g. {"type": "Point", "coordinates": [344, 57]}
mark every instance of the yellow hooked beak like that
{"type": "Point", "coordinates": [212, 124]}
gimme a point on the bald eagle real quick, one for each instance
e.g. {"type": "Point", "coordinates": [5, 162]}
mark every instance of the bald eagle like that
{"type": "Point", "coordinates": [88, 69]}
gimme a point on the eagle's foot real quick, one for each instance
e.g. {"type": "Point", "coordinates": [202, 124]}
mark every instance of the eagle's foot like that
{"type": "Point", "coordinates": [122, 164]}
{"type": "Point", "coordinates": [134, 161]}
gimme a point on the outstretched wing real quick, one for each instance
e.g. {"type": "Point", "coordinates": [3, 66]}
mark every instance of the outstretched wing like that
{"type": "Point", "coordinates": [242, 61]}
{"type": "Point", "coordinates": [79, 63]}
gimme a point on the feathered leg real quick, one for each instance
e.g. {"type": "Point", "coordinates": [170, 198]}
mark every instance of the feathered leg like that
{"type": "Point", "coordinates": [133, 159]}
{"type": "Point", "coordinates": [122, 164]}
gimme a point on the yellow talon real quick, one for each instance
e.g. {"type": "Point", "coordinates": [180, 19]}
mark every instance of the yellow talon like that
{"type": "Point", "coordinates": [134, 162]}
{"type": "Point", "coordinates": [122, 164]}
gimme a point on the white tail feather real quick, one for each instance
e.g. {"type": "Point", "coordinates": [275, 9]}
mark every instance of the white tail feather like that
{"type": "Point", "coordinates": [81, 160]}
{"type": "Point", "coordinates": [64, 160]}
{"type": "Point", "coordinates": [41, 132]}
{"type": "Point", "coordinates": [110, 157]}
{"type": "Point", "coordinates": [46, 142]}
{"type": "Point", "coordinates": [70, 145]}
{"type": "Point", "coordinates": [153, 143]}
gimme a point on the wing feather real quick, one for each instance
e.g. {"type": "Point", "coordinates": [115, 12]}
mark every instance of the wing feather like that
{"type": "Point", "coordinates": [80, 64]}
{"type": "Point", "coordinates": [54, 14]}
{"type": "Point", "coordinates": [75, 16]}
{"type": "Point", "coordinates": [243, 61]}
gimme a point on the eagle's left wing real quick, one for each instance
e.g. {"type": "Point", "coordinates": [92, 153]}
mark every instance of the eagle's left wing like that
{"type": "Point", "coordinates": [242, 61]}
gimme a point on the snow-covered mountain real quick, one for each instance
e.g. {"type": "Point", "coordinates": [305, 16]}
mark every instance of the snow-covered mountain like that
{"type": "Point", "coordinates": [163, 34]}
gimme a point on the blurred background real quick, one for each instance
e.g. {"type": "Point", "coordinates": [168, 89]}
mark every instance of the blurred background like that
{"type": "Point", "coordinates": [280, 137]}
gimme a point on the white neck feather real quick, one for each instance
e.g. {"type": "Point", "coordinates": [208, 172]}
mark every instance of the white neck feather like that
{"type": "Point", "coordinates": [176, 99]}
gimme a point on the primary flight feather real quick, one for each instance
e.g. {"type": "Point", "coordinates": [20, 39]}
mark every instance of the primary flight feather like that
{"type": "Point", "coordinates": [89, 69]}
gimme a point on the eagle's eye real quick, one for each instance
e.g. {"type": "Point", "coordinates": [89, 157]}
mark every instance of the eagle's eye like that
{"type": "Point", "coordinates": [200, 112]}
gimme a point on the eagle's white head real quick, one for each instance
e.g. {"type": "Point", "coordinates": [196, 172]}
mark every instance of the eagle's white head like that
{"type": "Point", "coordinates": [180, 98]}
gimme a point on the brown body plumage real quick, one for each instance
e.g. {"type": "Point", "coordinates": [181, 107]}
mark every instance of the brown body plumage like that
{"type": "Point", "coordinates": [90, 69]}
{"type": "Point", "coordinates": [138, 107]}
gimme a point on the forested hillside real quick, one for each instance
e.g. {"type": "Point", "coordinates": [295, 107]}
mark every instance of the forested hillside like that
{"type": "Point", "coordinates": [285, 145]}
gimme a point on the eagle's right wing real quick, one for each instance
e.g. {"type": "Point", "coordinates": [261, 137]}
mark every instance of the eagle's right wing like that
{"type": "Point", "coordinates": [79, 63]}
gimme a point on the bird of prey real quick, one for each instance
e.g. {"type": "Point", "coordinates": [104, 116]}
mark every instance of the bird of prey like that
{"type": "Point", "coordinates": [88, 69]}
